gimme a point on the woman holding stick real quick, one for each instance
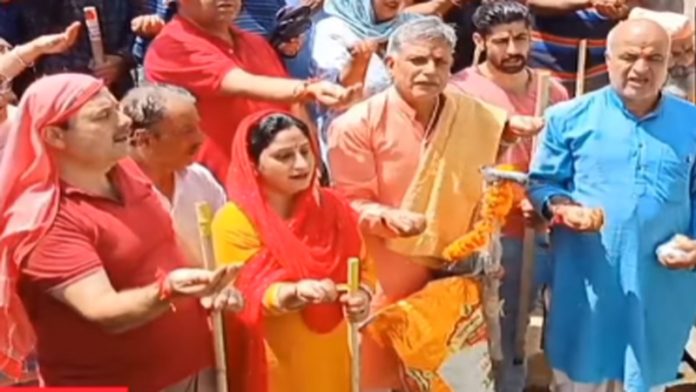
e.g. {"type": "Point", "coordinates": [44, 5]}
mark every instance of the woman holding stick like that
{"type": "Point", "coordinates": [295, 240]}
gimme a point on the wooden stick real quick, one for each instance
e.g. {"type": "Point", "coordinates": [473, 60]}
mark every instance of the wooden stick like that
{"type": "Point", "coordinates": [94, 32]}
{"type": "Point", "coordinates": [204, 215]}
{"type": "Point", "coordinates": [582, 62]}
{"type": "Point", "coordinates": [529, 243]}
{"type": "Point", "coordinates": [354, 334]}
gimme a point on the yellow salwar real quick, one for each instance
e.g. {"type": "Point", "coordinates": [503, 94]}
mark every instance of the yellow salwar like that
{"type": "Point", "coordinates": [298, 358]}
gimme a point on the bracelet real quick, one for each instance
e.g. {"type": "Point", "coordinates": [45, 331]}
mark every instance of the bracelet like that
{"type": "Point", "coordinates": [299, 92]}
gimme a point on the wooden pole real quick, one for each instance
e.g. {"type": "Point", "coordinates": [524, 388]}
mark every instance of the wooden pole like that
{"type": "Point", "coordinates": [353, 330]}
{"type": "Point", "coordinates": [204, 215]}
{"type": "Point", "coordinates": [529, 243]}
{"type": "Point", "coordinates": [582, 62]}
{"type": "Point", "coordinates": [94, 32]}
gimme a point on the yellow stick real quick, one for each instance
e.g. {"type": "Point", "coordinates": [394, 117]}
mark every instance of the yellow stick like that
{"type": "Point", "coordinates": [204, 214]}
{"type": "Point", "coordinates": [582, 61]}
{"type": "Point", "coordinates": [354, 334]}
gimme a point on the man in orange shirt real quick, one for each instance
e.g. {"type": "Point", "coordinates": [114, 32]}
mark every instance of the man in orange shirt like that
{"type": "Point", "coordinates": [409, 159]}
{"type": "Point", "coordinates": [503, 30]}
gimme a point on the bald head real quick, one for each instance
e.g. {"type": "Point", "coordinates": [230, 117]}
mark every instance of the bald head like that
{"type": "Point", "coordinates": [638, 53]}
{"type": "Point", "coordinates": [638, 31]}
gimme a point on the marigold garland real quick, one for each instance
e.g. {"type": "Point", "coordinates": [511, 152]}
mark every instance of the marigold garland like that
{"type": "Point", "coordinates": [497, 201]}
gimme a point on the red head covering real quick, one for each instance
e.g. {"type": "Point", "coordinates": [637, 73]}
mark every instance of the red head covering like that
{"type": "Point", "coordinates": [314, 244]}
{"type": "Point", "coordinates": [29, 197]}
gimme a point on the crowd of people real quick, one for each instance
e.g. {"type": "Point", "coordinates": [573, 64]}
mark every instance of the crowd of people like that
{"type": "Point", "coordinates": [324, 131]}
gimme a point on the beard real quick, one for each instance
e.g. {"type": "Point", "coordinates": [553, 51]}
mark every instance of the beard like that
{"type": "Point", "coordinates": [510, 65]}
{"type": "Point", "coordinates": [680, 72]}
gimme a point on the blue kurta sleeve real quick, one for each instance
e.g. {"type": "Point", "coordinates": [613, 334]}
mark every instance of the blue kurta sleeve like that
{"type": "Point", "coordinates": [692, 194]}
{"type": "Point", "coordinates": [551, 170]}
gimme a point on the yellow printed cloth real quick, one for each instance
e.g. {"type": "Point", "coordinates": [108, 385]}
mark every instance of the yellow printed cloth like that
{"type": "Point", "coordinates": [448, 183]}
{"type": "Point", "coordinates": [440, 335]}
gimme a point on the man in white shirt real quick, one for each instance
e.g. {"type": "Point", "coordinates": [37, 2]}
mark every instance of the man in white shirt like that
{"type": "Point", "coordinates": [165, 140]}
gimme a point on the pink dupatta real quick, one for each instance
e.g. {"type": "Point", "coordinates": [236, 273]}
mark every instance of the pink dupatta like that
{"type": "Point", "coordinates": [29, 196]}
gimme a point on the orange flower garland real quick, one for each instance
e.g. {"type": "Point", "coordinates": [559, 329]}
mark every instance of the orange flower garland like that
{"type": "Point", "coordinates": [497, 202]}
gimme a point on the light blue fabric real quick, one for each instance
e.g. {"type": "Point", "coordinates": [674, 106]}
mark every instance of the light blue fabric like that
{"type": "Point", "coordinates": [617, 313]}
{"type": "Point", "coordinates": [360, 15]}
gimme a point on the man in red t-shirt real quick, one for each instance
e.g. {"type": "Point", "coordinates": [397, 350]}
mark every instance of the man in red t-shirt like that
{"type": "Point", "coordinates": [232, 73]}
{"type": "Point", "coordinates": [93, 254]}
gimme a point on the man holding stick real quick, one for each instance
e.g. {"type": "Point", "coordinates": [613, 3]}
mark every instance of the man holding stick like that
{"type": "Point", "coordinates": [398, 156]}
{"type": "Point", "coordinates": [614, 174]}
{"type": "Point", "coordinates": [503, 32]}
{"type": "Point", "coordinates": [87, 246]}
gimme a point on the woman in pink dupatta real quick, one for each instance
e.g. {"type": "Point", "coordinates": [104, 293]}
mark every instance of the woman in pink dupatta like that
{"type": "Point", "coordinates": [29, 198]}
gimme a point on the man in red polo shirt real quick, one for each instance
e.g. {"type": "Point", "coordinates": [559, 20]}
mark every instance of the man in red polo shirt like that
{"type": "Point", "coordinates": [232, 73]}
{"type": "Point", "coordinates": [87, 246]}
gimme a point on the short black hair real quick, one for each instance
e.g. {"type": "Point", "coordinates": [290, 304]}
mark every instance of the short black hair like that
{"type": "Point", "coordinates": [264, 132]}
{"type": "Point", "coordinates": [495, 13]}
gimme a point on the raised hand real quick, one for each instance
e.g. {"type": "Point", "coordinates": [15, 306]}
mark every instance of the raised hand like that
{"type": "Point", "coordinates": [404, 223]}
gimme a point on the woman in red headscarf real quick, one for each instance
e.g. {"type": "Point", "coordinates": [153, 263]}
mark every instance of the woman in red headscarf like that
{"type": "Point", "coordinates": [294, 239]}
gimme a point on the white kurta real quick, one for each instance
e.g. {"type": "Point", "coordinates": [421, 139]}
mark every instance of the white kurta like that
{"type": "Point", "coordinates": [192, 185]}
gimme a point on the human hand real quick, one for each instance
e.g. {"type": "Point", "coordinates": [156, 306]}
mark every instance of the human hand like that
{"type": "Point", "coordinates": [147, 26]}
{"type": "Point", "coordinates": [577, 217]}
{"type": "Point", "coordinates": [56, 43]}
{"type": "Point", "coordinates": [612, 9]}
{"type": "Point", "coordinates": [291, 48]}
{"type": "Point", "coordinates": [333, 95]}
{"type": "Point", "coordinates": [112, 68]}
{"type": "Point", "coordinates": [524, 126]}
{"type": "Point", "coordinates": [313, 291]}
{"type": "Point", "coordinates": [404, 223]}
{"type": "Point", "coordinates": [228, 299]}
{"type": "Point", "coordinates": [363, 50]}
{"type": "Point", "coordinates": [678, 253]}
{"type": "Point", "coordinates": [313, 4]}
{"type": "Point", "coordinates": [198, 282]}
{"type": "Point", "coordinates": [356, 305]}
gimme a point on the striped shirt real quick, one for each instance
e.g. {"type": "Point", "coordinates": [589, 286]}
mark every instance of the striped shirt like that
{"type": "Point", "coordinates": [160, 8]}
{"type": "Point", "coordinates": [555, 42]}
{"type": "Point", "coordinates": [259, 16]}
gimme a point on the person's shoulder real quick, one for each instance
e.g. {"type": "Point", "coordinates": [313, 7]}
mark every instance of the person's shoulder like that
{"type": "Point", "coordinates": [363, 112]}
{"type": "Point", "coordinates": [200, 175]}
{"type": "Point", "coordinates": [577, 105]}
{"type": "Point", "coordinates": [178, 35]}
{"type": "Point", "coordinates": [680, 105]}
{"type": "Point", "coordinates": [231, 217]}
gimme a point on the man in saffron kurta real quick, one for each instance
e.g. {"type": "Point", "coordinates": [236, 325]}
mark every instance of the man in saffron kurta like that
{"type": "Point", "coordinates": [620, 315]}
{"type": "Point", "coordinates": [398, 156]}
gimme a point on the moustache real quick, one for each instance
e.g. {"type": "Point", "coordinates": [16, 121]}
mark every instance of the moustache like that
{"type": "Point", "coordinates": [514, 59]}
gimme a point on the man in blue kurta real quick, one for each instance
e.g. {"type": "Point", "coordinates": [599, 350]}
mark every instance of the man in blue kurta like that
{"type": "Point", "coordinates": [620, 316]}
